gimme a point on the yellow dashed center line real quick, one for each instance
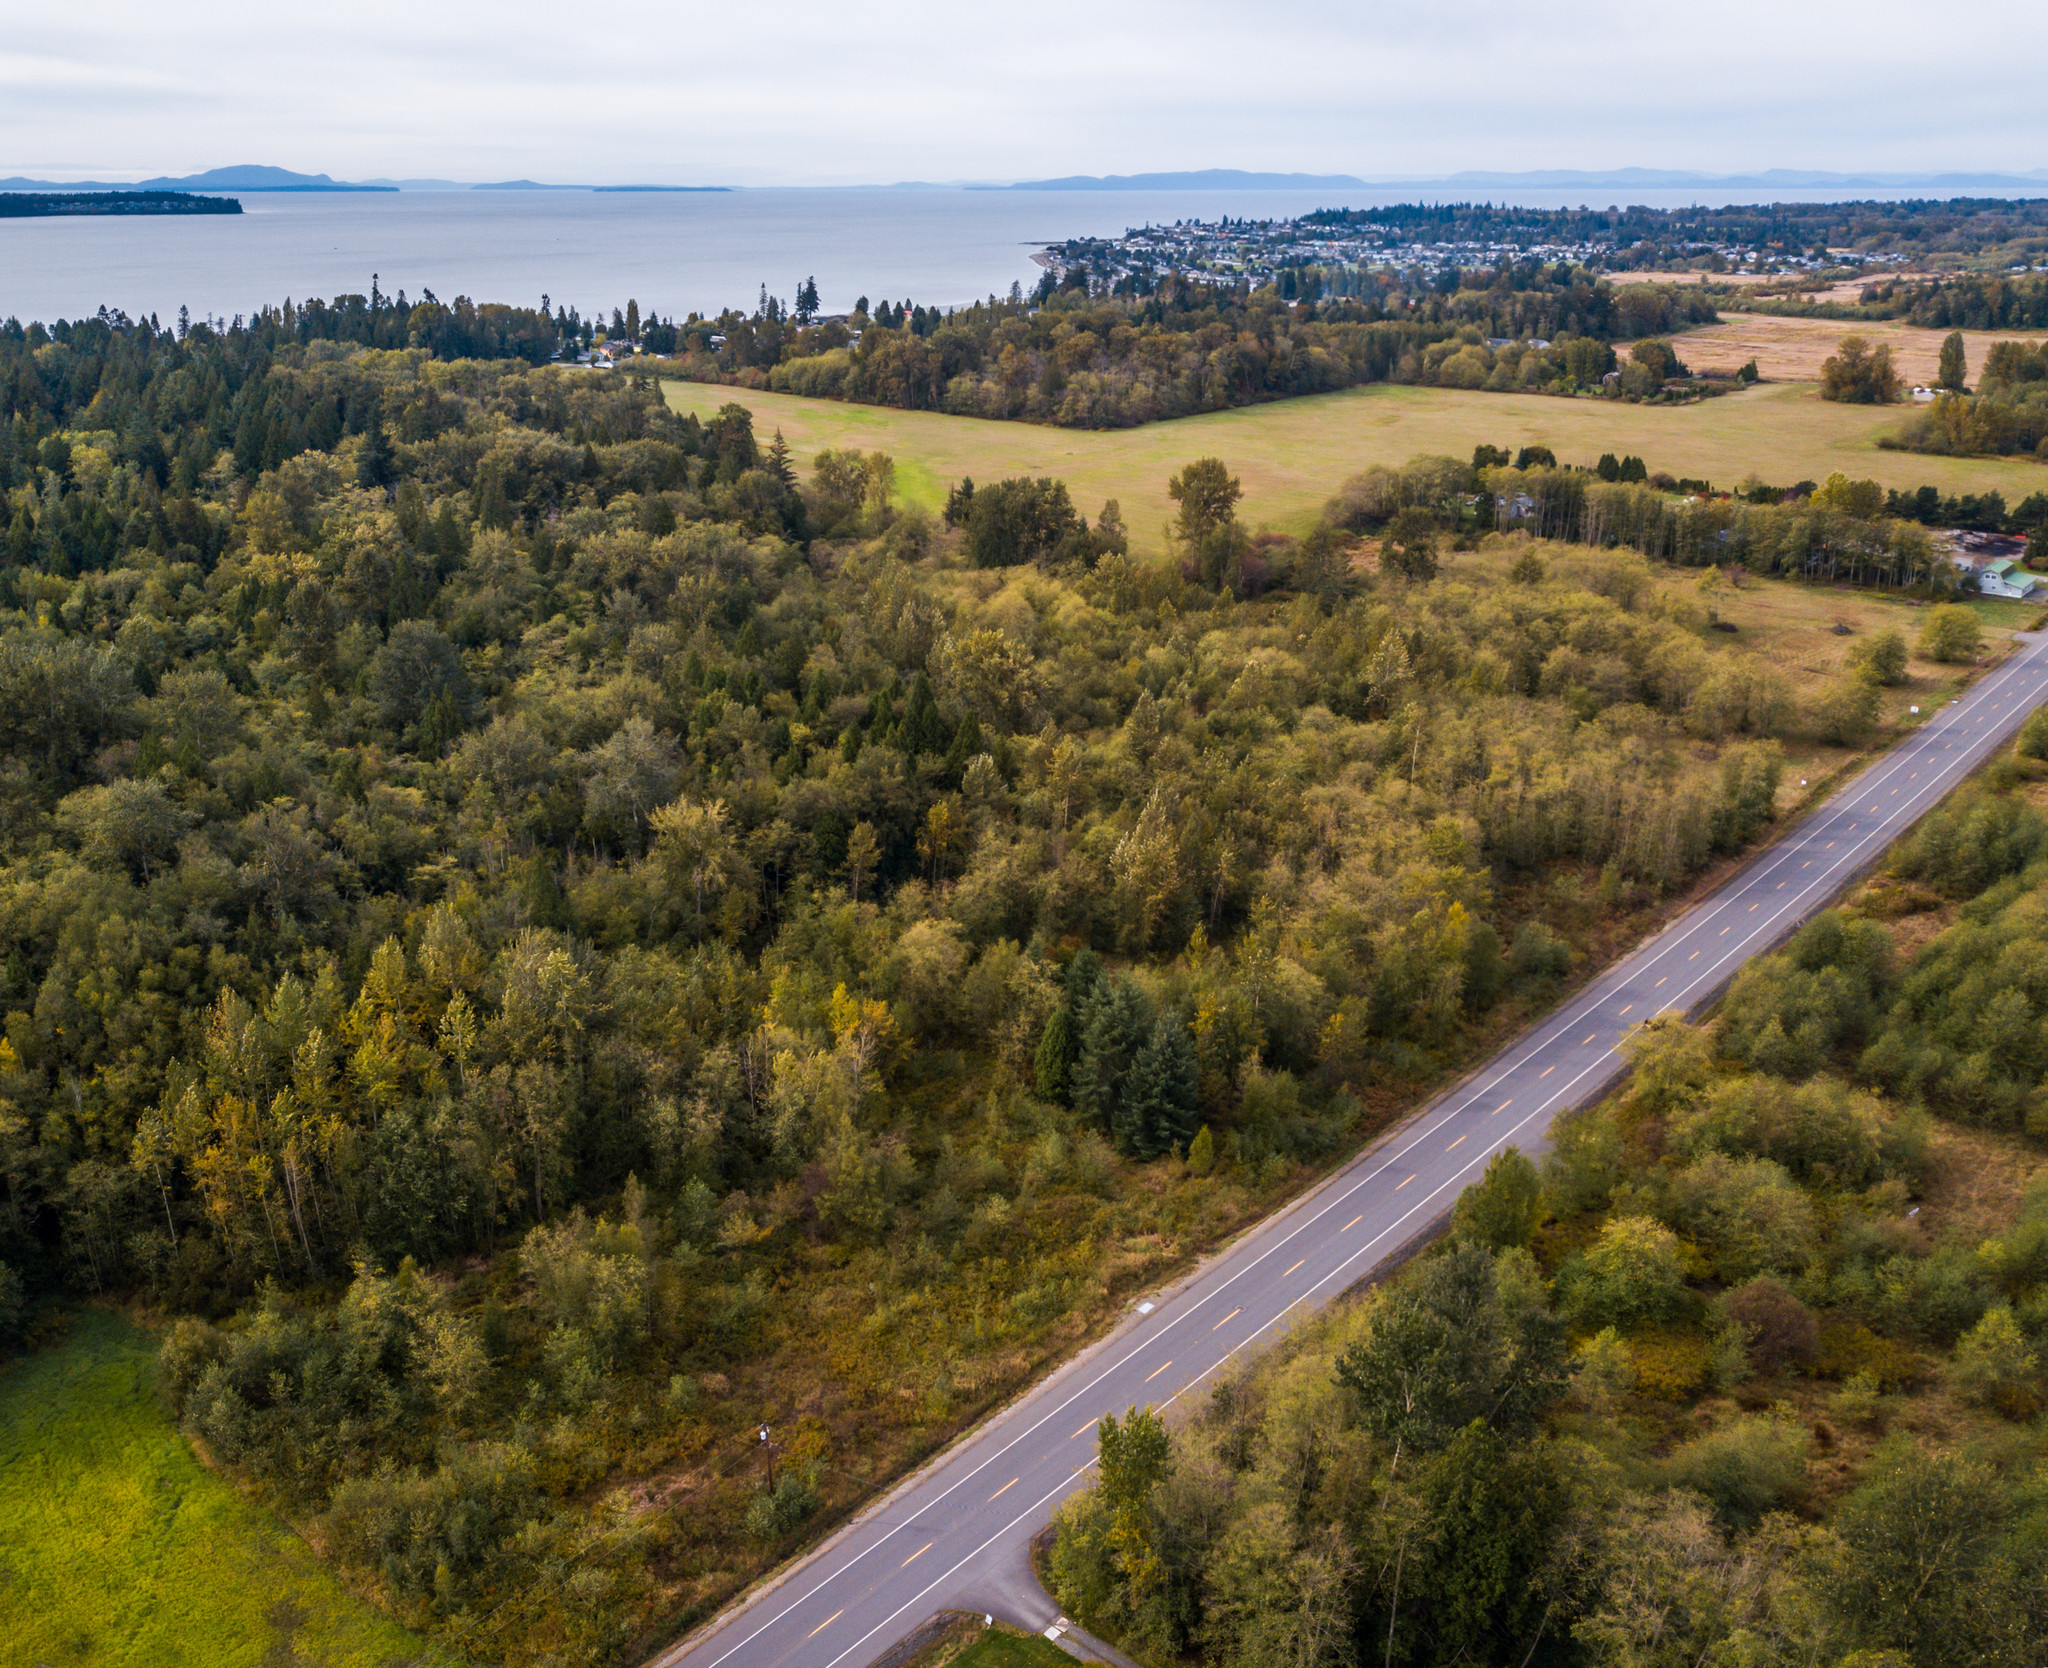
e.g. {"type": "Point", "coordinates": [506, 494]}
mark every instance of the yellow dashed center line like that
{"type": "Point", "coordinates": [1695, 956]}
{"type": "Point", "coordinates": [1504, 1105]}
{"type": "Point", "coordinates": [1291, 1270]}
{"type": "Point", "coordinates": [1227, 1319]}
{"type": "Point", "coordinates": [1404, 1182]}
{"type": "Point", "coordinates": [1588, 1037]}
{"type": "Point", "coordinates": [1455, 1144]}
{"type": "Point", "coordinates": [1630, 1008]}
{"type": "Point", "coordinates": [1660, 983]}
{"type": "Point", "coordinates": [1084, 1430]}
{"type": "Point", "coordinates": [1354, 1222]}
{"type": "Point", "coordinates": [827, 1622]}
{"type": "Point", "coordinates": [1012, 1483]}
{"type": "Point", "coordinates": [1547, 1070]}
{"type": "Point", "coordinates": [928, 1545]}
{"type": "Point", "coordinates": [1149, 1377]}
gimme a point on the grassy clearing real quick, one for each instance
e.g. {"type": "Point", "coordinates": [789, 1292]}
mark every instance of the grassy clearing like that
{"type": "Point", "coordinates": [119, 1547]}
{"type": "Point", "coordinates": [1791, 349]}
{"type": "Point", "coordinates": [1291, 455]}
{"type": "Point", "coordinates": [999, 1648]}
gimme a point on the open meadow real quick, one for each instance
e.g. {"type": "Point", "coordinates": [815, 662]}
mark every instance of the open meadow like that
{"type": "Point", "coordinates": [1791, 349]}
{"type": "Point", "coordinates": [1292, 454]}
{"type": "Point", "coordinates": [117, 1547]}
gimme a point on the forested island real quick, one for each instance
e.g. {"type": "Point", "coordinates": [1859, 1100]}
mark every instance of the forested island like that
{"type": "Point", "coordinates": [38, 205]}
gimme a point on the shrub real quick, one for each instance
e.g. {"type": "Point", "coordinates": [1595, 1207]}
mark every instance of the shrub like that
{"type": "Point", "coordinates": [1607, 1368]}
{"type": "Point", "coordinates": [1745, 1215]}
{"type": "Point", "coordinates": [1746, 1468]}
{"type": "Point", "coordinates": [1500, 1209]}
{"type": "Point", "coordinates": [1670, 1367]}
{"type": "Point", "coordinates": [2033, 737]}
{"type": "Point", "coordinates": [1634, 1273]}
{"type": "Point", "coordinates": [1995, 1368]}
{"type": "Point", "coordinates": [1881, 657]}
{"type": "Point", "coordinates": [1778, 1330]}
{"type": "Point", "coordinates": [1845, 711]}
{"type": "Point", "coordinates": [777, 1511]}
{"type": "Point", "coordinates": [1950, 633]}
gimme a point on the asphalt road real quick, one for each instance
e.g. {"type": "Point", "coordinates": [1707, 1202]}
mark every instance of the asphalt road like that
{"type": "Point", "coordinates": [956, 1534]}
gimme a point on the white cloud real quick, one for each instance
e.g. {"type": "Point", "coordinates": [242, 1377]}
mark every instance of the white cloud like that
{"type": "Point", "coordinates": [832, 93]}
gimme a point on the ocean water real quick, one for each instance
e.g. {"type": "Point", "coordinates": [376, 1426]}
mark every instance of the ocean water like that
{"type": "Point", "coordinates": [671, 252]}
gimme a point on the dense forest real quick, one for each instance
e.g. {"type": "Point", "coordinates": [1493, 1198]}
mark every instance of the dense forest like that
{"type": "Point", "coordinates": [1748, 1370]}
{"type": "Point", "coordinates": [1074, 356]}
{"type": "Point", "coordinates": [541, 939]}
{"type": "Point", "coordinates": [1646, 239]}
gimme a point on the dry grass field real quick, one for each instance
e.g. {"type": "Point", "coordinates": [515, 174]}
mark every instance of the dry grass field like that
{"type": "Point", "coordinates": [1791, 350]}
{"type": "Point", "coordinates": [1292, 454]}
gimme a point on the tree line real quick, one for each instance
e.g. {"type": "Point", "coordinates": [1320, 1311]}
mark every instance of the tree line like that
{"type": "Point", "coordinates": [1087, 360]}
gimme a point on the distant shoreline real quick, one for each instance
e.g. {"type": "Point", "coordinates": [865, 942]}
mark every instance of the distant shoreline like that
{"type": "Point", "coordinates": [50, 205]}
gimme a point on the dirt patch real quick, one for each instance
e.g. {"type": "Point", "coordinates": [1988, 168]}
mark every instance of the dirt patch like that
{"type": "Point", "coordinates": [1913, 933]}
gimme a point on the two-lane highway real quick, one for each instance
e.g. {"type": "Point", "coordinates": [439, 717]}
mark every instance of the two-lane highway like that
{"type": "Point", "coordinates": [956, 1534]}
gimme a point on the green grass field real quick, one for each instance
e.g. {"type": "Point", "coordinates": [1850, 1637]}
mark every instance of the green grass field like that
{"type": "Point", "coordinates": [997, 1649]}
{"type": "Point", "coordinates": [1292, 454]}
{"type": "Point", "coordinates": [118, 1547]}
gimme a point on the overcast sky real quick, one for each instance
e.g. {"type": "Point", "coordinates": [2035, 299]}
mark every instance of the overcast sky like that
{"type": "Point", "coordinates": [805, 93]}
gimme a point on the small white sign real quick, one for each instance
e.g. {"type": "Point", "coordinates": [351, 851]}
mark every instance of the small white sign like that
{"type": "Point", "coordinates": [1145, 1308]}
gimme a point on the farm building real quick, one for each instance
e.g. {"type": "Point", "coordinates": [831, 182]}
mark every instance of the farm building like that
{"type": "Point", "coordinates": [2006, 578]}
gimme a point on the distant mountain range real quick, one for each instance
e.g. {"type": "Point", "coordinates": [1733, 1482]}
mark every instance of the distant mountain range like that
{"type": "Point", "coordinates": [248, 177]}
{"type": "Point", "coordinates": [1646, 179]}
{"type": "Point", "coordinates": [251, 177]}
{"type": "Point", "coordinates": [255, 177]}
{"type": "Point", "coordinates": [1206, 179]}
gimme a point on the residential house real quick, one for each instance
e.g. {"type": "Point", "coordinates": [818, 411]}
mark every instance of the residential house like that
{"type": "Point", "coordinates": [2006, 578]}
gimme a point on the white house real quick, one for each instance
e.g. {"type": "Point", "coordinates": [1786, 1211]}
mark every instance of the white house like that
{"type": "Point", "coordinates": [2006, 578]}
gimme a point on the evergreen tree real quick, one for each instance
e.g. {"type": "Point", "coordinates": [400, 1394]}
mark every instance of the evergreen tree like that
{"type": "Point", "coordinates": [1083, 978]}
{"type": "Point", "coordinates": [1156, 1113]}
{"type": "Point", "coordinates": [1955, 364]}
{"type": "Point", "coordinates": [966, 743]}
{"type": "Point", "coordinates": [1053, 1065]}
{"type": "Point", "coordinates": [545, 901]}
{"type": "Point", "coordinates": [924, 731]}
{"type": "Point", "coordinates": [1112, 1033]}
{"type": "Point", "coordinates": [21, 537]}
